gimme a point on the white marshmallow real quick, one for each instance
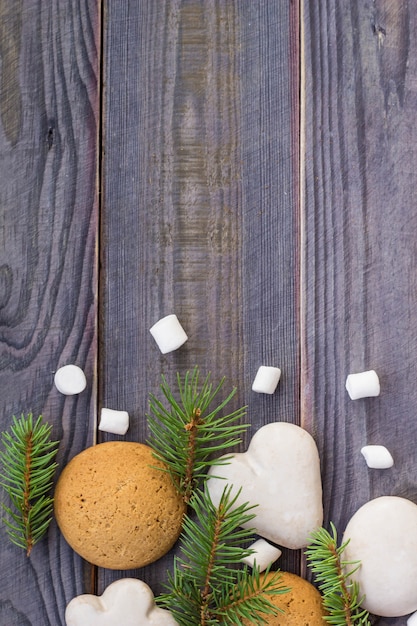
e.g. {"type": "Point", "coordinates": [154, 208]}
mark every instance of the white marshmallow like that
{"type": "Point", "coordinates": [377, 457]}
{"type": "Point", "coordinates": [412, 620]}
{"type": "Point", "coordinates": [363, 385]}
{"type": "Point", "coordinates": [116, 422]}
{"type": "Point", "coordinates": [266, 379]}
{"type": "Point", "coordinates": [264, 554]}
{"type": "Point", "coordinates": [168, 333]}
{"type": "Point", "coordinates": [70, 380]}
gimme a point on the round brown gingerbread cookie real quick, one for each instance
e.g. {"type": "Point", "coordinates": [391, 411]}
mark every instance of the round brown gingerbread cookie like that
{"type": "Point", "coordinates": [301, 606]}
{"type": "Point", "coordinates": [115, 508]}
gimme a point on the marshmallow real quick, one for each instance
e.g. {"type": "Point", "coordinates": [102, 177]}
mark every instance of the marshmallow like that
{"type": "Point", "coordinates": [363, 385]}
{"type": "Point", "coordinates": [70, 380]}
{"type": "Point", "coordinates": [377, 457]}
{"type": "Point", "coordinates": [168, 333]}
{"type": "Point", "coordinates": [264, 554]}
{"type": "Point", "coordinates": [412, 620]}
{"type": "Point", "coordinates": [116, 422]}
{"type": "Point", "coordinates": [266, 379]}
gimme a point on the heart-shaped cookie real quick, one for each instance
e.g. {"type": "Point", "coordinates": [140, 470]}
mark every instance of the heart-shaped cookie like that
{"type": "Point", "coordinates": [280, 472]}
{"type": "Point", "coordinates": [127, 601]}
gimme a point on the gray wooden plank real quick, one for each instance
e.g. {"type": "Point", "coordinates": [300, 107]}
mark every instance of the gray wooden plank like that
{"type": "Point", "coordinates": [200, 205]}
{"type": "Point", "coordinates": [360, 219]}
{"type": "Point", "coordinates": [48, 273]}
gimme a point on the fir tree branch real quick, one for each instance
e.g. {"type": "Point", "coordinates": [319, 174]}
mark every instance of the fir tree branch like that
{"type": "Point", "coordinates": [341, 597]}
{"type": "Point", "coordinates": [209, 585]}
{"type": "Point", "coordinates": [186, 433]}
{"type": "Point", "coordinates": [28, 468]}
{"type": "Point", "coordinates": [250, 597]}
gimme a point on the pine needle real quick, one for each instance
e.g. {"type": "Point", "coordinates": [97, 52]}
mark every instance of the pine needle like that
{"type": "Point", "coordinates": [209, 585]}
{"type": "Point", "coordinates": [341, 595]}
{"type": "Point", "coordinates": [189, 428]}
{"type": "Point", "coordinates": [28, 467]}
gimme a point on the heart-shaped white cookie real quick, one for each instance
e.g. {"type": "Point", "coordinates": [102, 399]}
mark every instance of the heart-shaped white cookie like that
{"type": "Point", "coordinates": [127, 602]}
{"type": "Point", "coordinates": [280, 472]}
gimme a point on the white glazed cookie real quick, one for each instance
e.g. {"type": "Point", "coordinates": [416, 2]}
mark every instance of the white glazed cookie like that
{"type": "Point", "coordinates": [280, 473]}
{"type": "Point", "coordinates": [127, 602]}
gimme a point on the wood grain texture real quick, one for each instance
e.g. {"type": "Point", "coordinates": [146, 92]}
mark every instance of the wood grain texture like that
{"type": "Point", "coordinates": [200, 216]}
{"type": "Point", "coordinates": [48, 277]}
{"type": "Point", "coordinates": [359, 280]}
{"type": "Point", "coordinates": [200, 204]}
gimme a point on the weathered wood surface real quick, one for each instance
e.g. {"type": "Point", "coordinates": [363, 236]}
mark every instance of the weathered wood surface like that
{"type": "Point", "coordinates": [48, 277]}
{"type": "Point", "coordinates": [201, 161]}
{"type": "Point", "coordinates": [199, 143]}
{"type": "Point", "coordinates": [359, 255]}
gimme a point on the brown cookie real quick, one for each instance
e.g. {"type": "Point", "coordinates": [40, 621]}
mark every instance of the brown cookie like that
{"type": "Point", "coordinates": [115, 508]}
{"type": "Point", "coordinates": [302, 605]}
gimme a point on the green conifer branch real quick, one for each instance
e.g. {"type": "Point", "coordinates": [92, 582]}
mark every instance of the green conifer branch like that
{"type": "Point", "coordinates": [209, 585]}
{"type": "Point", "coordinates": [249, 598]}
{"type": "Point", "coordinates": [341, 595]}
{"type": "Point", "coordinates": [28, 467]}
{"type": "Point", "coordinates": [191, 428]}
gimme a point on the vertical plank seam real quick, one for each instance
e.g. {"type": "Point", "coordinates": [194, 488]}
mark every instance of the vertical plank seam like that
{"type": "Point", "coordinates": [301, 226]}
{"type": "Point", "coordinates": [301, 200]}
{"type": "Point", "coordinates": [100, 192]}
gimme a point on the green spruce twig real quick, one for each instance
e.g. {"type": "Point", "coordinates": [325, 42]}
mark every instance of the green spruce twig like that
{"type": "Point", "coordinates": [341, 595]}
{"type": "Point", "coordinates": [209, 585]}
{"type": "Point", "coordinates": [186, 432]}
{"type": "Point", "coordinates": [28, 466]}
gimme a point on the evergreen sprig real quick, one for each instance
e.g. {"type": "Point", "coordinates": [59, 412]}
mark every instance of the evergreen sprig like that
{"type": "Point", "coordinates": [208, 585]}
{"type": "Point", "coordinates": [341, 595]}
{"type": "Point", "coordinates": [186, 433]}
{"type": "Point", "coordinates": [28, 467]}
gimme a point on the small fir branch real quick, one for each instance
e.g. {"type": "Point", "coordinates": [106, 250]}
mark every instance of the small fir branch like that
{"type": "Point", "coordinates": [341, 596]}
{"type": "Point", "coordinates": [209, 585]}
{"type": "Point", "coordinates": [249, 598]}
{"type": "Point", "coordinates": [186, 433]}
{"type": "Point", "coordinates": [28, 466]}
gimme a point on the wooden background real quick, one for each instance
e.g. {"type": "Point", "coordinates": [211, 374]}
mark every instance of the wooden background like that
{"type": "Point", "coordinates": [249, 165]}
